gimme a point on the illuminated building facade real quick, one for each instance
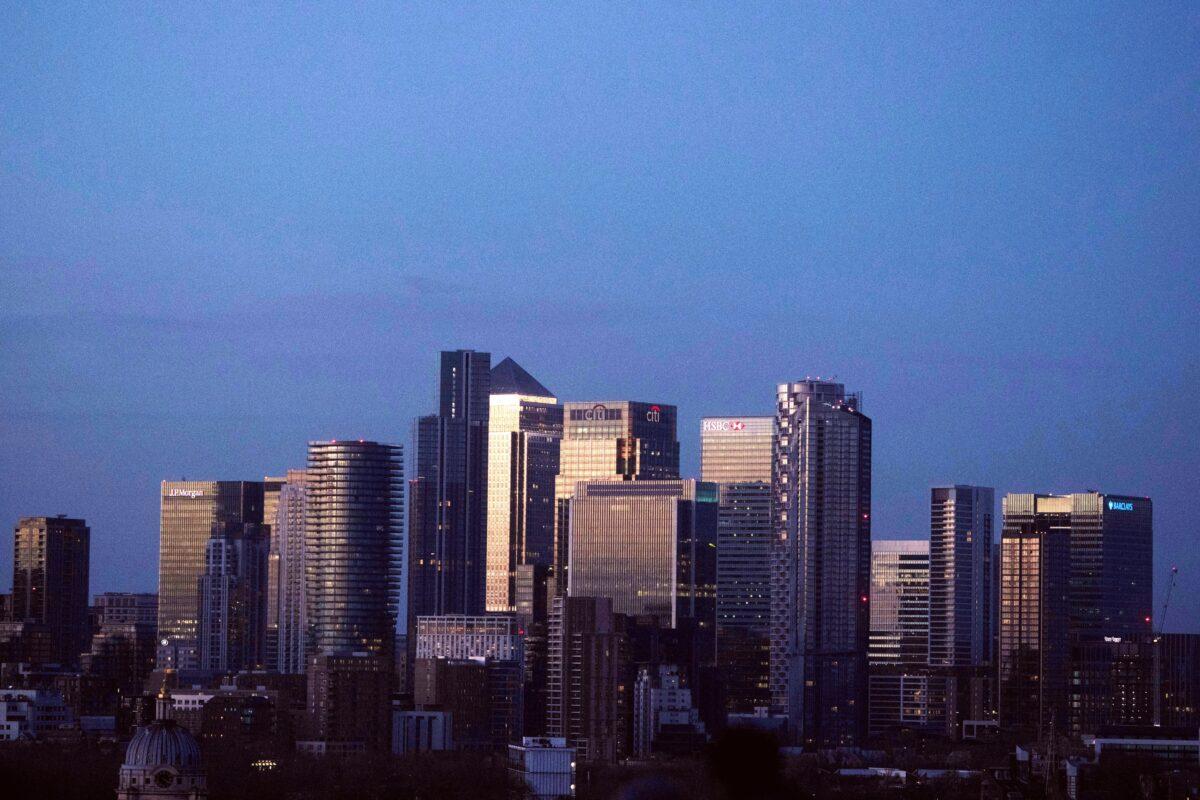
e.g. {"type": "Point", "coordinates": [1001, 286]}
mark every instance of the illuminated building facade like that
{"type": "Point", "coordinates": [524, 432]}
{"type": "Point", "coordinates": [960, 575]}
{"type": "Point", "coordinates": [191, 512]}
{"type": "Point", "coordinates": [610, 440]}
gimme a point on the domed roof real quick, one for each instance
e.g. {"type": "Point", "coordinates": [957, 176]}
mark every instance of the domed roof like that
{"type": "Point", "coordinates": [163, 744]}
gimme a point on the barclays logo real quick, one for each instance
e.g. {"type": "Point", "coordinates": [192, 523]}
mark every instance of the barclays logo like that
{"type": "Point", "coordinates": [1119, 505]}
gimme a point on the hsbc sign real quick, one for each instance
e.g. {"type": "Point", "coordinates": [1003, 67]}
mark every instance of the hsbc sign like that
{"type": "Point", "coordinates": [724, 425]}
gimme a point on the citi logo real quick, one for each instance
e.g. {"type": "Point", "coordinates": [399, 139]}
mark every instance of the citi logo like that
{"type": "Point", "coordinates": [654, 414]}
{"type": "Point", "coordinates": [596, 413]}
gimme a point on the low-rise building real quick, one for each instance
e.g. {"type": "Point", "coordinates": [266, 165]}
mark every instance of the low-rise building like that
{"type": "Point", "coordinates": [547, 765]}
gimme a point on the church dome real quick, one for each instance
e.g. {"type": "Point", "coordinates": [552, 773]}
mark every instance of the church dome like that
{"type": "Point", "coordinates": [163, 743]}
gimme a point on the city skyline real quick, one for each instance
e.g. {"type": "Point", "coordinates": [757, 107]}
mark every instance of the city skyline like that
{"type": "Point", "coordinates": [984, 221]}
{"type": "Point", "coordinates": [690, 447]}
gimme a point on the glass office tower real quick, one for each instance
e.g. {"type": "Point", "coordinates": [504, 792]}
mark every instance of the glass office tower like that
{"type": "Point", "coordinates": [524, 431]}
{"type": "Point", "coordinates": [355, 547]}
{"type": "Point", "coordinates": [899, 603]}
{"type": "Point", "coordinates": [448, 494]}
{"type": "Point", "coordinates": [610, 440]}
{"type": "Point", "coordinates": [650, 546]}
{"type": "Point", "coordinates": [819, 603]}
{"type": "Point", "coordinates": [1035, 571]}
{"type": "Point", "coordinates": [737, 454]}
{"type": "Point", "coordinates": [191, 512]}
{"type": "Point", "coordinates": [960, 575]}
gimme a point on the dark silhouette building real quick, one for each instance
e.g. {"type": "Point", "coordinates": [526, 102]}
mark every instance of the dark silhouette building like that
{"type": "Point", "coordinates": [50, 582]}
{"type": "Point", "coordinates": [448, 492]}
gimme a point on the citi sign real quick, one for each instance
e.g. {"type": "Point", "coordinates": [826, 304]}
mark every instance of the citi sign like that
{"type": "Point", "coordinates": [654, 414]}
{"type": "Point", "coordinates": [597, 413]}
{"type": "Point", "coordinates": [1119, 505]}
{"type": "Point", "coordinates": [724, 425]}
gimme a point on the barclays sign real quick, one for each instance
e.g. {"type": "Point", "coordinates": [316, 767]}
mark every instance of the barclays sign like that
{"type": "Point", "coordinates": [1119, 505]}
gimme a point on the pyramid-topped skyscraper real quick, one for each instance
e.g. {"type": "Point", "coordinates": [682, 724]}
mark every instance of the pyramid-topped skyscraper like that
{"type": "Point", "coordinates": [525, 428]}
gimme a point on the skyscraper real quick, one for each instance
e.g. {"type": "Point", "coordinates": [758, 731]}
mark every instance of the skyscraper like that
{"type": "Point", "coordinates": [354, 523]}
{"type": "Point", "coordinates": [737, 453]}
{"type": "Point", "coordinates": [233, 599]}
{"type": "Point", "coordinates": [1099, 586]}
{"type": "Point", "coordinates": [899, 603]}
{"type": "Point", "coordinates": [898, 648]}
{"type": "Point", "coordinates": [524, 431]}
{"type": "Point", "coordinates": [448, 493]}
{"type": "Point", "coordinates": [960, 575]}
{"type": "Point", "coordinates": [1035, 571]}
{"type": "Point", "coordinates": [819, 602]}
{"type": "Point", "coordinates": [650, 546]}
{"type": "Point", "coordinates": [191, 512]}
{"type": "Point", "coordinates": [288, 538]}
{"type": "Point", "coordinates": [611, 440]}
{"type": "Point", "coordinates": [51, 557]}
{"type": "Point", "coordinates": [271, 489]}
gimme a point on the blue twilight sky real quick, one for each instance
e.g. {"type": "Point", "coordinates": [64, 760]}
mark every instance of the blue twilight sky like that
{"type": "Point", "coordinates": [226, 231]}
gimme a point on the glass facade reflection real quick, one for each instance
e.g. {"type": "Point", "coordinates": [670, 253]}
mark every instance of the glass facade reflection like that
{"type": "Point", "coordinates": [1034, 575]}
{"type": "Point", "coordinates": [650, 546]}
{"type": "Point", "coordinates": [899, 602]}
{"type": "Point", "coordinates": [191, 512]}
{"type": "Point", "coordinates": [610, 440]}
{"type": "Point", "coordinates": [524, 432]}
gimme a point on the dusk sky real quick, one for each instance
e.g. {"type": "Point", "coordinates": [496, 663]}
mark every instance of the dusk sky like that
{"type": "Point", "coordinates": [223, 234]}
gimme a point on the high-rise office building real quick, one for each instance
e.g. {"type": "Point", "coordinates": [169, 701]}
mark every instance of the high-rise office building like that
{"type": "Point", "coordinates": [960, 575]}
{"type": "Point", "coordinates": [587, 701]}
{"type": "Point", "coordinates": [191, 511]}
{"type": "Point", "coordinates": [524, 431]}
{"type": "Point", "coordinates": [898, 646]}
{"type": "Point", "coordinates": [1106, 591]}
{"type": "Point", "coordinates": [448, 493]}
{"type": "Point", "coordinates": [288, 539]}
{"type": "Point", "coordinates": [1035, 571]}
{"type": "Point", "coordinates": [819, 603]}
{"type": "Point", "coordinates": [50, 581]}
{"type": "Point", "coordinates": [271, 489]}
{"type": "Point", "coordinates": [233, 599]}
{"type": "Point", "coordinates": [650, 546]}
{"type": "Point", "coordinates": [899, 633]}
{"type": "Point", "coordinates": [354, 530]}
{"type": "Point", "coordinates": [737, 454]}
{"type": "Point", "coordinates": [611, 440]}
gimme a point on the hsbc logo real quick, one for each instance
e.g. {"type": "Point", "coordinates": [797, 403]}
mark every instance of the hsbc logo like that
{"type": "Point", "coordinates": [654, 414]}
{"type": "Point", "coordinates": [724, 425]}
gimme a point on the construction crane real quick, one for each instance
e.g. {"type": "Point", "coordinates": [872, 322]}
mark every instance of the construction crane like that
{"type": "Point", "coordinates": [1156, 643]}
{"type": "Point", "coordinates": [1162, 617]}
